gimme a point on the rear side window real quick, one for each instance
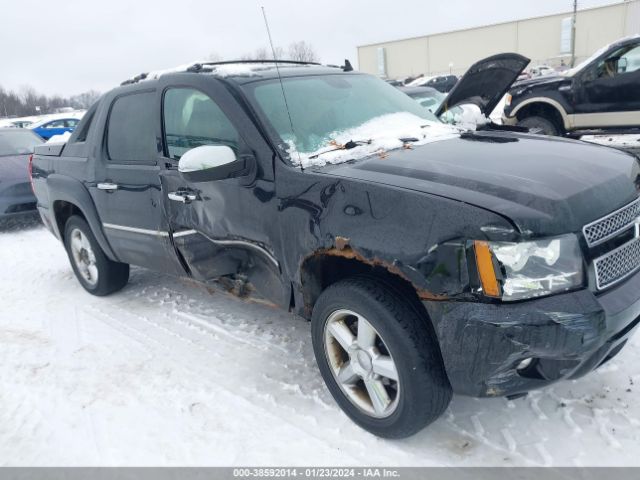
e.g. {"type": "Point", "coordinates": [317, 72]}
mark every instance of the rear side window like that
{"type": "Point", "coordinates": [131, 136]}
{"type": "Point", "coordinates": [193, 119]}
{"type": "Point", "coordinates": [84, 125]}
{"type": "Point", "coordinates": [55, 124]}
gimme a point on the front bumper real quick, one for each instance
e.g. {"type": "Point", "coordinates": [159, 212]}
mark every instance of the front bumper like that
{"type": "Point", "coordinates": [16, 198]}
{"type": "Point", "coordinates": [567, 336]}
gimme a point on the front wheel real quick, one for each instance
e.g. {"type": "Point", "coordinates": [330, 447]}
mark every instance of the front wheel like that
{"type": "Point", "coordinates": [540, 126]}
{"type": "Point", "coordinates": [379, 358]}
{"type": "Point", "coordinates": [98, 274]}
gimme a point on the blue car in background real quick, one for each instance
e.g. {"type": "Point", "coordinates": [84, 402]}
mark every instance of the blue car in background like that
{"type": "Point", "coordinates": [48, 128]}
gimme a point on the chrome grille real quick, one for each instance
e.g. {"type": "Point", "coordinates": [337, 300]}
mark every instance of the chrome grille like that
{"type": "Point", "coordinates": [609, 226]}
{"type": "Point", "coordinates": [617, 264]}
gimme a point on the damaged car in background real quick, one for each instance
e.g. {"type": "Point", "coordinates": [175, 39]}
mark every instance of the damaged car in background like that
{"type": "Point", "coordinates": [430, 261]}
{"type": "Point", "coordinates": [475, 98]}
{"type": "Point", "coordinates": [601, 95]}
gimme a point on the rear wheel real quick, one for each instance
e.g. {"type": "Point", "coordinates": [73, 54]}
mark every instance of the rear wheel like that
{"type": "Point", "coordinates": [379, 358]}
{"type": "Point", "coordinates": [94, 270]}
{"type": "Point", "coordinates": [540, 126]}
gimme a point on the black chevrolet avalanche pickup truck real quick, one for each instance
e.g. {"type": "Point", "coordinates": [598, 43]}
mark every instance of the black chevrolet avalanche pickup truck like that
{"type": "Point", "coordinates": [601, 95]}
{"type": "Point", "coordinates": [429, 260]}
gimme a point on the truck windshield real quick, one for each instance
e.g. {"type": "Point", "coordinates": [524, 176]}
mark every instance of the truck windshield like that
{"type": "Point", "coordinates": [329, 111]}
{"type": "Point", "coordinates": [17, 142]}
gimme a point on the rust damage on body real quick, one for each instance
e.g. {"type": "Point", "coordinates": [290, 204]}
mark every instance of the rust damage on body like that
{"type": "Point", "coordinates": [343, 249]}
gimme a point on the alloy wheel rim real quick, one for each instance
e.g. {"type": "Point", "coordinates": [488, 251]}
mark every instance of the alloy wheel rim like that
{"type": "Point", "coordinates": [83, 257]}
{"type": "Point", "coordinates": [361, 363]}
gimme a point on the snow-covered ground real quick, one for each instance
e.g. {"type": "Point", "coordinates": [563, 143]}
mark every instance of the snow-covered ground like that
{"type": "Point", "coordinates": [627, 142]}
{"type": "Point", "coordinates": [167, 372]}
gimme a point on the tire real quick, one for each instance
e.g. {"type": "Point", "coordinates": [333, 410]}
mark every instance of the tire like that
{"type": "Point", "coordinates": [540, 126]}
{"type": "Point", "coordinates": [98, 274]}
{"type": "Point", "coordinates": [421, 392]}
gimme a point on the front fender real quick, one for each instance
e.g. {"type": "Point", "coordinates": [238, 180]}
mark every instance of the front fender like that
{"type": "Point", "coordinates": [566, 118]}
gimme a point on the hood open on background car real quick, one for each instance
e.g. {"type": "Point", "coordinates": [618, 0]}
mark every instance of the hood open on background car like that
{"type": "Point", "coordinates": [486, 82]}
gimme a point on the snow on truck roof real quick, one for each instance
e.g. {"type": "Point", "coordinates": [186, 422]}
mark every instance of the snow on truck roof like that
{"type": "Point", "coordinates": [235, 68]}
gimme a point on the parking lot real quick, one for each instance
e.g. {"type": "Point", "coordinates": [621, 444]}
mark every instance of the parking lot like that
{"type": "Point", "coordinates": [168, 372]}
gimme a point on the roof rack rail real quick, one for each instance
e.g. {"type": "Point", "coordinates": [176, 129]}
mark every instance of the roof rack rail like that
{"type": "Point", "coordinates": [208, 67]}
{"type": "Point", "coordinates": [135, 79]}
{"type": "Point", "coordinates": [201, 66]}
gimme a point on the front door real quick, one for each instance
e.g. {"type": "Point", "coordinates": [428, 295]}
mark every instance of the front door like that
{"type": "Point", "coordinates": [609, 90]}
{"type": "Point", "coordinates": [127, 190]}
{"type": "Point", "coordinates": [225, 227]}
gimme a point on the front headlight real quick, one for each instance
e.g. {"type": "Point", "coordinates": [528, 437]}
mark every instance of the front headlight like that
{"type": "Point", "coordinates": [515, 271]}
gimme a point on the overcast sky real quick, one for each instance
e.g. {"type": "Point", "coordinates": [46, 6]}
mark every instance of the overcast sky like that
{"type": "Point", "coordinates": [70, 46]}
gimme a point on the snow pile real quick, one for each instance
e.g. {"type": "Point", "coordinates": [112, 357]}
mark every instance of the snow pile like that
{"type": "Point", "coordinates": [155, 74]}
{"type": "Point", "coordinates": [62, 138]}
{"type": "Point", "coordinates": [617, 141]}
{"type": "Point", "coordinates": [377, 136]}
{"type": "Point", "coordinates": [240, 69]}
{"type": "Point", "coordinates": [226, 70]}
{"type": "Point", "coordinates": [471, 118]}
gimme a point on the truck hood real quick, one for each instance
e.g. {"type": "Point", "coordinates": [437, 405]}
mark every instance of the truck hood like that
{"type": "Point", "coordinates": [485, 83]}
{"type": "Point", "coordinates": [543, 80]}
{"type": "Point", "coordinates": [14, 167]}
{"type": "Point", "coordinates": [544, 186]}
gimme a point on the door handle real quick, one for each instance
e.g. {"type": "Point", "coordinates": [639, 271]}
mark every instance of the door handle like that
{"type": "Point", "coordinates": [183, 197]}
{"type": "Point", "coordinates": [110, 187]}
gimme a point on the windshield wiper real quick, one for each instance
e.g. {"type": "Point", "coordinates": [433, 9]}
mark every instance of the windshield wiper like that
{"type": "Point", "coordinates": [347, 146]}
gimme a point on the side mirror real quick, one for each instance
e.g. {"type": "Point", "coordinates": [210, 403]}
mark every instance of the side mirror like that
{"type": "Point", "coordinates": [622, 65]}
{"type": "Point", "coordinates": [210, 162]}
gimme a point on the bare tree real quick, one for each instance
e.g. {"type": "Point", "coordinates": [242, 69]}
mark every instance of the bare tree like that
{"type": "Point", "coordinates": [302, 52]}
{"type": "Point", "coordinates": [214, 57]}
{"type": "Point", "coordinates": [279, 53]}
{"type": "Point", "coordinates": [264, 53]}
{"type": "Point", "coordinates": [84, 100]}
{"type": "Point", "coordinates": [13, 104]}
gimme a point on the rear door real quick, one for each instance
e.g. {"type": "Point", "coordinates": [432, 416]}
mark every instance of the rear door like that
{"type": "Point", "coordinates": [127, 190]}
{"type": "Point", "coordinates": [228, 227]}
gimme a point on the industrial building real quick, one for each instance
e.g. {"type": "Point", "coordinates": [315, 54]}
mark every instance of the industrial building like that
{"type": "Point", "coordinates": [546, 40]}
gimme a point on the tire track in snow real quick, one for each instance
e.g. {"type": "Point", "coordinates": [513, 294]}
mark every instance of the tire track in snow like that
{"type": "Point", "coordinates": [123, 317]}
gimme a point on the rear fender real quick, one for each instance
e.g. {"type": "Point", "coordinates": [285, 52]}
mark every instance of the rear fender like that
{"type": "Point", "coordinates": [67, 189]}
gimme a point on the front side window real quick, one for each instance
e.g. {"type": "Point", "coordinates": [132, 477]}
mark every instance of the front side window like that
{"type": "Point", "coordinates": [623, 60]}
{"type": "Point", "coordinates": [131, 136]}
{"type": "Point", "coordinates": [193, 119]}
{"type": "Point", "coordinates": [630, 61]}
{"type": "Point", "coordinates": [71, 123]}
